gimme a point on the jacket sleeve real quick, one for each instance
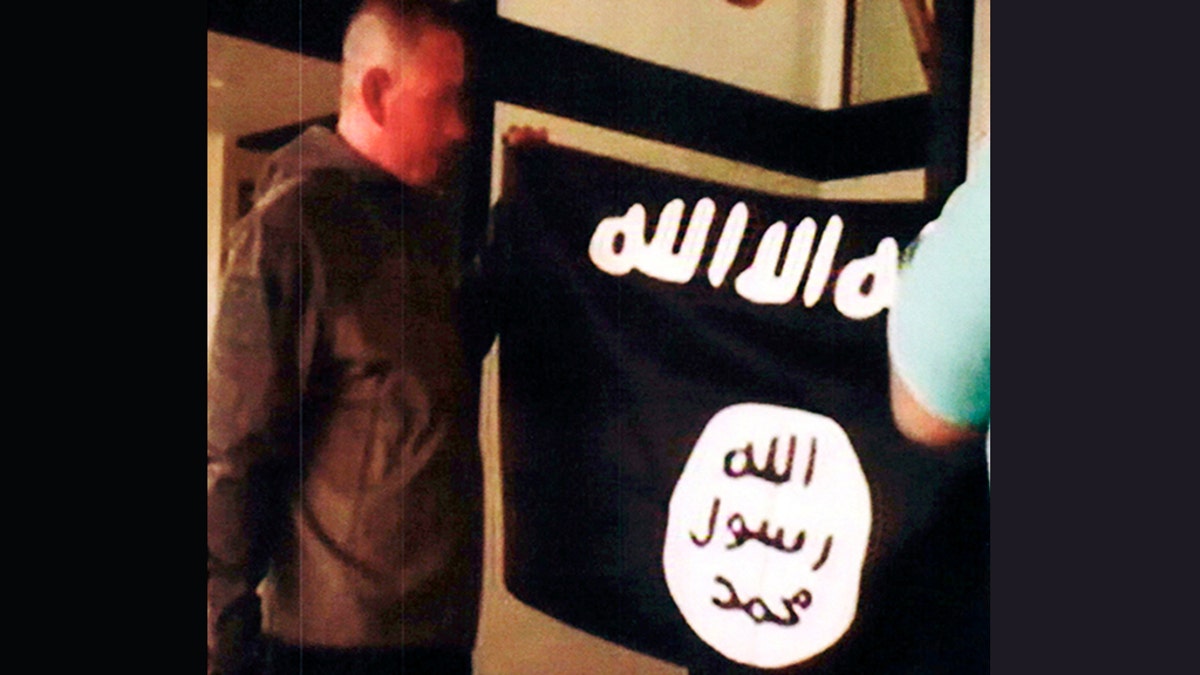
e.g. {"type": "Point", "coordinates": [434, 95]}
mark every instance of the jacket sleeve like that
{"type": "Point", "coordinates": [254, 384]}
{"type": "Point", "coordinates": [482, 301]}
{"type": "Point", "coordinates": [486, 274]}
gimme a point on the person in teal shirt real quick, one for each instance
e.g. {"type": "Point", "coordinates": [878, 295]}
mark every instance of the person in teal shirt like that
{"type": "Point", "coordinates": [939, 325]}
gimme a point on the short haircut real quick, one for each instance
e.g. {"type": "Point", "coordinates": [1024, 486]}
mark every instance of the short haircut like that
{"type": "Point", "coordinates": [407, 16]}
{"type": "Point", "coordinates": [379, 32]}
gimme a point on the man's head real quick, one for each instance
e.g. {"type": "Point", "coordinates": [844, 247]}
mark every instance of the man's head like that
{"type": "Point", "coordinates": [402, 79]}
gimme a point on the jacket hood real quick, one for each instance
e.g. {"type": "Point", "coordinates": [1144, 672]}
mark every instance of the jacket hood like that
{"type": "Point", "coordinates": [317, 149]}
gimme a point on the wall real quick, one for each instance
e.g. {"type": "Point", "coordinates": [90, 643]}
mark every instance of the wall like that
{"type": "Point", "coordinates": [886, 64]}
{"type": "Point", "coordinates": [981, 77]}
{"type": "Point", "coordinates": [788, 49]}
{"type": "Point", "coordinates": [216, 176]}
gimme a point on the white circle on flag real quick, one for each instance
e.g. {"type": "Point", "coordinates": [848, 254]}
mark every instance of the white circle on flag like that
{"type": "Point", "coordinates": [767, 534]}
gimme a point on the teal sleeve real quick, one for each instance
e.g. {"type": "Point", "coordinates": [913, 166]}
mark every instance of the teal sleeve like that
{"type": "Point", "coordinates": [939, 327]}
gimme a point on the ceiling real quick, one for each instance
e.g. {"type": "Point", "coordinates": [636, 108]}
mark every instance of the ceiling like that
{"type": "Point", "coordinates": [253, 87]}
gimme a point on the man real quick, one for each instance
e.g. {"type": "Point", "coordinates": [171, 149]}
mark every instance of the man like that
{"type": "Point", "coordinates": [343, 465]}
{"type": "Point", "coordinates": [939, 327]}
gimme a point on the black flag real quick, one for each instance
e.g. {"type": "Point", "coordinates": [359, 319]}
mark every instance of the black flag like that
{"type": "Point", "coordinates": [637, 305]}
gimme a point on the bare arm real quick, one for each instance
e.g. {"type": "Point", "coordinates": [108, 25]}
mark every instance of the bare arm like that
{"type": "Point", "coordinates": [920, 425]}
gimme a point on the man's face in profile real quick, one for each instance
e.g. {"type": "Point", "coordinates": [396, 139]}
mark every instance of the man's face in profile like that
{"type": "Point", "coordinates": [424, 116]}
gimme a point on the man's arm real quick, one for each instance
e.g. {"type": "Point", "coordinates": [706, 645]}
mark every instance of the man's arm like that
{"type": "Point", "coordinates": [939, 327]}
{"type": "Point", "coordinates": [253, 401]}
{"type": "Point", "coordinates": [918, 423]}
{"type": "Point", "coordinates": [487, 272]}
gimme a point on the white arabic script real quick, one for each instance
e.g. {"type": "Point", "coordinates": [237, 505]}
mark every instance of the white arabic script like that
{"type": "Point", "coordinates": [619, 246]}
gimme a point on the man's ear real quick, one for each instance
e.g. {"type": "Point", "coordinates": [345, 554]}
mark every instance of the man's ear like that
{"type": "Point", "coordinates": [375, 84]}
